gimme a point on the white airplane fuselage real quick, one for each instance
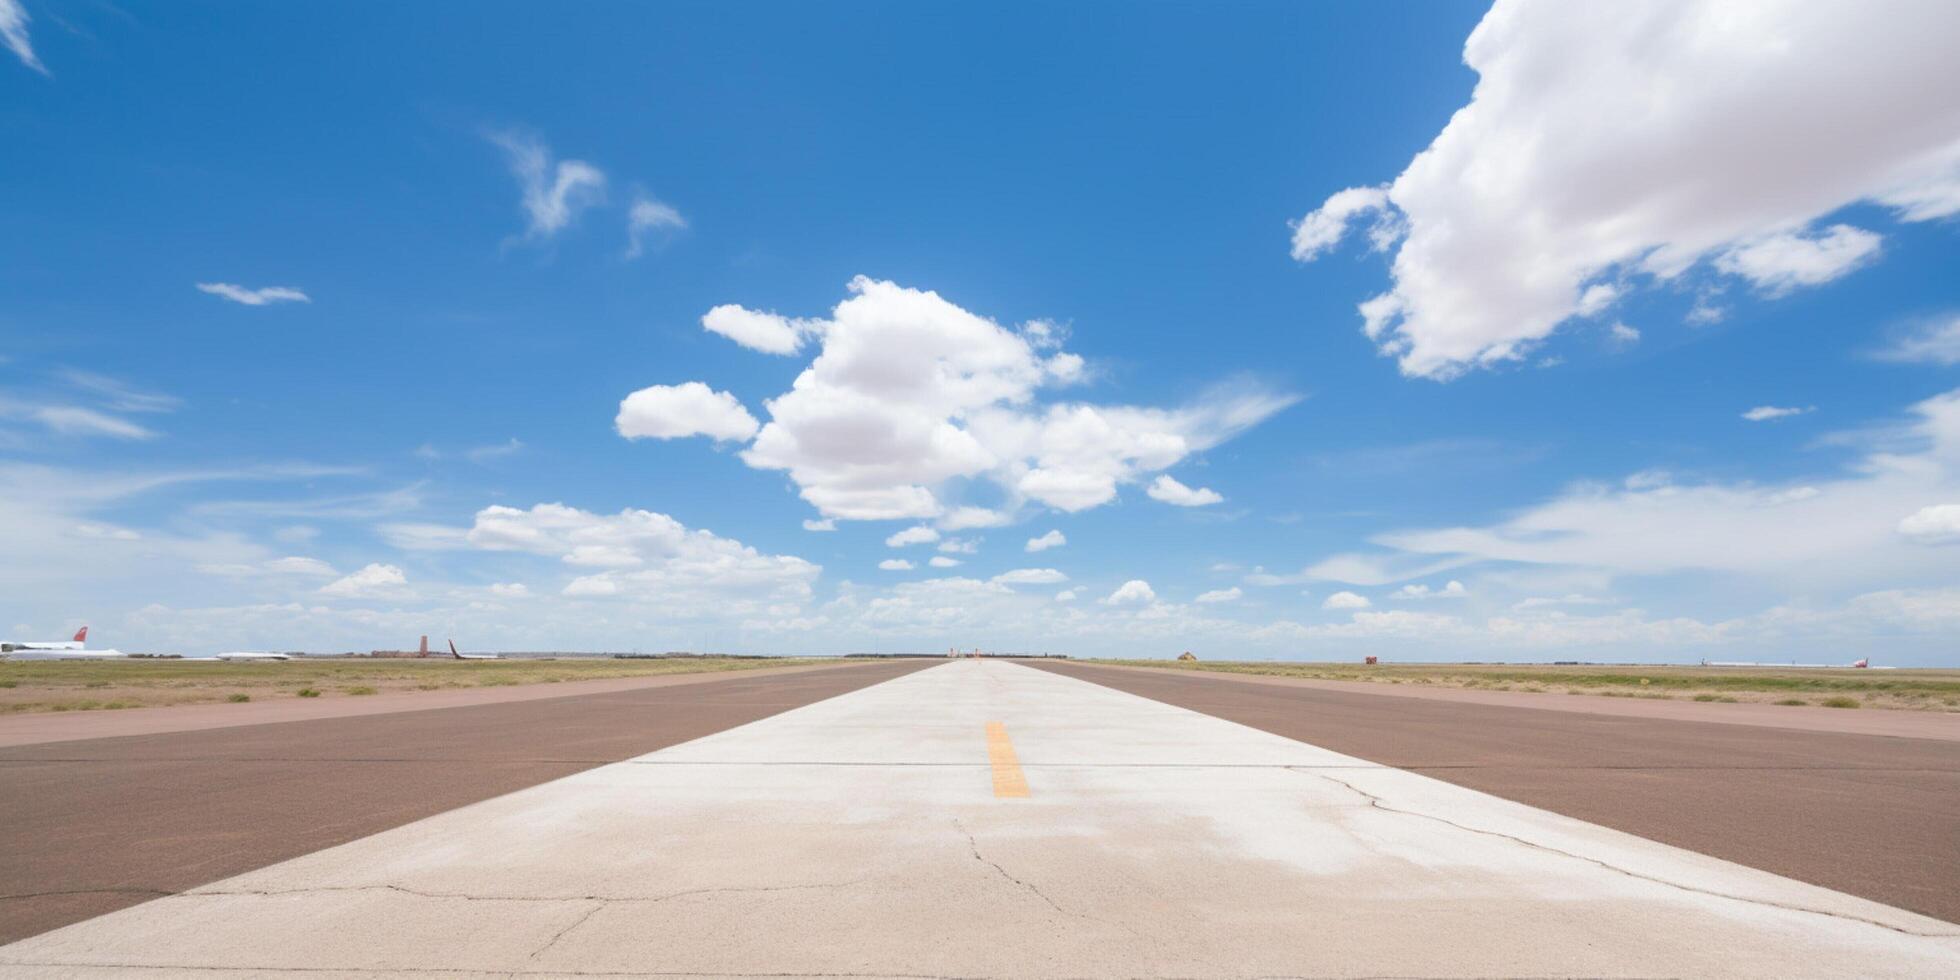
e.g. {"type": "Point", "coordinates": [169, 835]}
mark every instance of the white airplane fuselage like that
{"type": "Point", "coordinates": [75, 649]}
{"type": "Point", "coordinates": [24, 652]}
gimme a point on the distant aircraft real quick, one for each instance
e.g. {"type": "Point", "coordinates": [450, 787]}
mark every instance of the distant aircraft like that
{"type": "Point", "coordinates": [248, 656]}
{"type": "Point", "coordinates": [75, 649]}
{"type": "Point", "coordinates": [1861, 663]}
{"type": "Point", "coordinates": [470, 656]}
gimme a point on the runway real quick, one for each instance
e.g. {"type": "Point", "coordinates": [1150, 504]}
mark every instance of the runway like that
{"type": "Point", "coordinates": [1873, 816]}
{"type": "Point", "coordinates": [97, 825]}
{"type": "Point", "coordinates": [985, 819]}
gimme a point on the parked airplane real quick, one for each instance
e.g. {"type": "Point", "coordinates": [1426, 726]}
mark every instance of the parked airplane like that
{"type": "Point", "coordinates": [470, 656]}
{"type": "Point", "coordinates": [1861, 664]}
{"type": "Point", "coordinates": [75, 649]}
{"type": "Point", "coordinates": [244, 655]}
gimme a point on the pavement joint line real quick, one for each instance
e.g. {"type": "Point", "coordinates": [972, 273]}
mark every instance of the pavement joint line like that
{"type": "Point", "coordinates": [1410, 766]}
{"type": "Point", "coordinates": [468, 897]}
{"type": "Point", "coordinates": [1376, 802]}
{"type": "Point", "coordinates": [1009, 781]}
{"type": "Point", "coordinates": [448, 972]}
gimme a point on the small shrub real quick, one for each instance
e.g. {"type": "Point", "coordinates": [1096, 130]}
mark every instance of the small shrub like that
{"type": "Point", "coordinates": [360, 689]}
{"type": "Point", "coordinates": [307, 692]}
{"type": "Point", "coordinates": [9, 683]}
{"type": "Point", "coordinates": [239, 698]}
{"type": "Point", "coordinates": [1792, 701]}
{"type": "Point", "coordinates": [1840, 702]}
{"type": "Point", "coordinates": [1719, 698]}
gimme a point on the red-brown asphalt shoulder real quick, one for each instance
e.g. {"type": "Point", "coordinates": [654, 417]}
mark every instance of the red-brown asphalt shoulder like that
{"type": "Point", "coordinates": [47, 726]}
{"type": "Point", "coordinates": [1873, 816]}
{"type": "Point", "coordinates": [93, 826]}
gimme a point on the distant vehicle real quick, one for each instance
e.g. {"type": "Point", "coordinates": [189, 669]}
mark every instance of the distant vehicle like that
{"type": "Point", "coordinates": [75, 649]}
{"type": "Point", "coordinates": [243, 655]}
{"type": "Point", "coordinates": [470, 656]}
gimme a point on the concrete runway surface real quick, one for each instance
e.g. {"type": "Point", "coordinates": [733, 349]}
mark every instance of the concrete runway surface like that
{"type": "Point", "coordinates": [97, 825]}
{"type": "Point", "coordinates": [985, 819]}
{"type": "Point", "coordinates": [1876, 817]}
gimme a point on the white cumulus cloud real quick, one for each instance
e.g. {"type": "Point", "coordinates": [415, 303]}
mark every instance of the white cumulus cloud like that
{"type": "Point", "coordinates": [645, 555]}
{"type": "Point", "coordinates": [1135, 592]}
{"type": "Point", "coordinates": [1168, 490]}
{"type": "Point", "coordinates": [1232, 594]}
{"type": "Point", "coordinates": [941, 561]}
{"type": "Point", "coordinates": [1937, 524]}
{"type": "Point", "coordinates": [765, 332]}
{"type": "Point", "coordinates": [1770, 413]}
{"type": "Point", "coordinates": [1416, 590]}
{"type": "Point", "coordinates": [1053, 539]}
{"type": "Point", "coordinates": [912, 535]}
{"type": "Point", "coordinates": [1629, 142]}
{"type": "Point", "coordinates": [690, 409]}
{"type": "Point", "coordinates": [1346, 600]}
{"type": "Point", "coordinates": [910, 397]}
{"type": "Point", "coordinates": [895, 565]}
{"type": "Point", "coordinates": [1030, 576]}
{"type": "Point", "coordinates": [967, 518]}
{"type": "Point", "coordinates": [375, 579]}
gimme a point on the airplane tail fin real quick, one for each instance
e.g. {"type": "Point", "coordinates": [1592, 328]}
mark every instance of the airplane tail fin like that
{"type": "Point", "coordinates": [81, 635]}
{"type": "Point", "coordinates": [452, 650]}
{"type": "Point", "coordinates": [1863, 662]}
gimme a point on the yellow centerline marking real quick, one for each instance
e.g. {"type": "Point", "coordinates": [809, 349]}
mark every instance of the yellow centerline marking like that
{"type": "Point", "coordinates": [1008, 780]}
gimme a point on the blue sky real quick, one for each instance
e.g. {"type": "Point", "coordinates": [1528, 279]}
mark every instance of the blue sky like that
{"type": "Point", "coordinates": [1028, 264]}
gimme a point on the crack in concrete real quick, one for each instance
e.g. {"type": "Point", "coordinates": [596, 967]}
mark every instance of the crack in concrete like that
{"type": "Point", "coordinates": [1376, 802]}
{"type": "Point", "coordinates": [560, 934]}
{"type": "Point", "coordinates": [973, 847]}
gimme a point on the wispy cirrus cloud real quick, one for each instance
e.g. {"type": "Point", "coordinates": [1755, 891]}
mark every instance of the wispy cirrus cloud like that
{"type": "Point", "coordinates": [13, 34]}
{"type": "Point", "coordinates": [647, 218]}
{"type": "Point", "coordinates": [554, 192]}
{"type": "Point", "coordinates": [263, 296]}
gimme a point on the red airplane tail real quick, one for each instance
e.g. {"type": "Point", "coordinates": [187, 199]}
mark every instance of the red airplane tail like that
{"type": "Point", "coordinates": [81, 635]}
{"type": "Point", "coordinates": [1866, 662]}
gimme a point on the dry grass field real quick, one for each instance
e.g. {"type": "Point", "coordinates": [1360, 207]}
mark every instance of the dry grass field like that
{"type": "Point", "coordinates": [93, 685]}
{"type": "Point", "coordinates": [1905, 689]}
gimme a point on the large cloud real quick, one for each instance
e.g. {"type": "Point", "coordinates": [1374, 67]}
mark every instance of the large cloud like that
{"type": "Point", "coordinates": [1606, 142]}
{"type": "Point", "coordinates": [642, 554]}
{"type": "Point", "coordinates": [910, 395]}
